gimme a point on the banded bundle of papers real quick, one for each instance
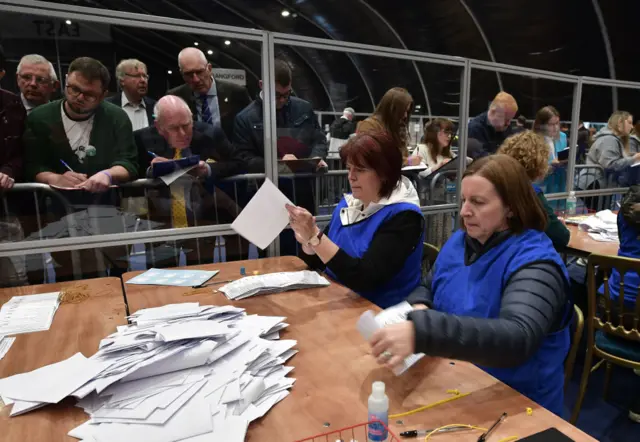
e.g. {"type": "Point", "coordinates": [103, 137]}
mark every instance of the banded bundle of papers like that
{"type": "Point", "coordinates": [27, 314]}
{"type": "Point", "coordinates": [272, 283]}
{"type": "Point", "coordinates": [369, 323]}
{"type": "Point", "coordinates": [179, 372]}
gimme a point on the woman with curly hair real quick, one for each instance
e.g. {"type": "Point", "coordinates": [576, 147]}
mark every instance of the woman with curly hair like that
{"type": "Point", "coordinates": [532, 151]}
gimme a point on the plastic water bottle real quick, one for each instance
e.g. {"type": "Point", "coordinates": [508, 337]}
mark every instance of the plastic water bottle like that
{"type": "Point", "coordinates": [572, 202]}
{"type": "Point", "coordinates": [378, 410]}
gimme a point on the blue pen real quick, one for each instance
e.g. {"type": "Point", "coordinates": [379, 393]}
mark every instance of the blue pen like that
{"type": "Point", "coordinates": [67, 166]}
{"type": "Point", "coordinates": [152, 154]}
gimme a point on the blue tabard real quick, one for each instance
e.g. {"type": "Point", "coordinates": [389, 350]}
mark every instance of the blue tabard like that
{"type": "Point", "coordinates": [629, 248]}
{"type": "Point", "coordinates": [476, 290]}
{"type": "Point", "coordinates": [354, 239]}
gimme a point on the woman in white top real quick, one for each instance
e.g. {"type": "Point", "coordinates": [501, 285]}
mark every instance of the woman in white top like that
{"type": "Point", "coordinates": [435, 149]}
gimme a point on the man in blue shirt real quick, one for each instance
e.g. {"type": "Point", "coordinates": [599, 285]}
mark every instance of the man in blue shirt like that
{"type": "Point", "coordinates": [212, 102]}
{"type": "Point", "coordinates": [491, 128]}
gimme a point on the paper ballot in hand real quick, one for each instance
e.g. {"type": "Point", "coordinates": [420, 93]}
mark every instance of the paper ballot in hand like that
{"type": "Point", "coordinates": [264, 217]}
{"type": "Point", "coordinates": [369, 323]}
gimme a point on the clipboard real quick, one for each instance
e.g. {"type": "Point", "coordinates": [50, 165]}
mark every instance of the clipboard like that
{"type": "Point", "coordinates": [563, 155]}
{"type": "Point", "coordinates": [548, 435]}
{"type": "Point", "coordinates": [168, 167]}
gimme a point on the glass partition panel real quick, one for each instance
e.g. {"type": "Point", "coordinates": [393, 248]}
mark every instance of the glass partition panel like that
{"type": "Point", "coordinates": [76, 130]}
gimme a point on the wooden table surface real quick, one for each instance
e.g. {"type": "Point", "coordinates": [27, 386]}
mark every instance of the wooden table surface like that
{"type": "Point", "coordinates": [75, 328]}
{"type": "Point", "coordinates": [334, 369]}
{"type": "Point", "coordinates": [582, 244]}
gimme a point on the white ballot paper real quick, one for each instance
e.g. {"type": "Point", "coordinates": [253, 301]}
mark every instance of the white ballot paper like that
{"type": "Point", "coordinates": [369, 323]}
{"type": "Point", "coordinates": [26, 314]}
{"type": "Point", "coordinates": [262, 220]}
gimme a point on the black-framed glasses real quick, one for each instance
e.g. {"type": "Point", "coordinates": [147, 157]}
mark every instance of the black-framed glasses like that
{"type": "Point", "coordinates": [138, 76]}
{"type": "Point", "coordinates": [39, 80]}
{"type": "Point", "coordinates": [75, 92]}
{"type": "Point", "coordinates": [284, 96]}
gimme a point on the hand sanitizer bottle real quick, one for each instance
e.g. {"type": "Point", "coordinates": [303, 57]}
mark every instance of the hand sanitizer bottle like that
{"type": "Point", "coordinates": [572, 202]}
{"type": "Point", "coordinates": [378, 410]}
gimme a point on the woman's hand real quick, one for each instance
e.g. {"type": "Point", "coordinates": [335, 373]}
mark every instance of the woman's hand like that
{"type": "Point", "coordinates": [392, 344]}
{"type": "Point", "coordinates": [419, 307]}
{"type": "Point", "coordinates": [414, 160]}
{"type": "Point", "coordinates": [302, 223]}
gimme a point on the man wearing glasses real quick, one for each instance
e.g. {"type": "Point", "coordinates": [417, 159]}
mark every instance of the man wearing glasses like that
{"type": "Point", "coordinates": [134, 82]}
{"type": "Point", "coordinates": [80, 143]}
{"type": "Point", "coordinates": [212, 102]}
{"type": "Point", "coordinates": [37, 81]}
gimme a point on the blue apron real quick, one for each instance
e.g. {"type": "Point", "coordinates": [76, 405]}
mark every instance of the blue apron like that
{"type": "Point", "coordinates": [629, 248]}
{"type": "Point", "coordinates": [354, 239]}
{"type": "Point", "coordinates": [476, 290]}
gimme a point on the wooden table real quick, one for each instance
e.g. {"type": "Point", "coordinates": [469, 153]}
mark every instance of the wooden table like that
{"type": "Point", "coordinates": [75, 328]}
{"type": "Point", "coordinates": [581, 244]}
{"type": "Point", "coordinates": [334, 369]}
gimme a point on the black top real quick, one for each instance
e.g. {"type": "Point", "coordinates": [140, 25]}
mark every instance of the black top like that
{"type": "Point", "coordinates": [533, 305]}
{"type": "Point", "coordinates": [491, 140]}
{"type": "Point", "coordinates": [392, 243]}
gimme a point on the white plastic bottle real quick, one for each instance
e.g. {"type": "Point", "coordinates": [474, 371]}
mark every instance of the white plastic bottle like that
{"type": "Point", "coordinates": [378, 410]}
{"type": "Point", "coordinates": [572, 202]}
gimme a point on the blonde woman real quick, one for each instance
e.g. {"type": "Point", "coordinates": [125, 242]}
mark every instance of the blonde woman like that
{"type": "Point", "coordinates": [532, 152]}
{"type": "Point", "coordinates": [610, 150]}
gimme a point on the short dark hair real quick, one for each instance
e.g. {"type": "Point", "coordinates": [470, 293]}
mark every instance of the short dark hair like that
{"type": "Point", "coordinates": [3, 60]}
{"type": "Point", "coordinates": [522, 120]}
{"type": "Point", "coordinates": [514, 189]}
{"type": "Point", "coordinates": [282, 73]}
{"type": "Point", "coordinates": [377, 151]}
{"type": "Point", "coordinates": [92, 70]}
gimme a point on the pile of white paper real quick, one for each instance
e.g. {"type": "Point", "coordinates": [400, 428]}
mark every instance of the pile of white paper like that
{"type": "Point", "coordinates": [26, 314]}
{"type": "Point", "coordinates": [272, 283]}
{"type": "Point", "coordinates": [5, 345]}
{"type": "Point", "coordinates": [369, 323]}
{"type": "Point", "coordinates": [603, 226]}
{"type": "Point", "coordinates": [179, 372]}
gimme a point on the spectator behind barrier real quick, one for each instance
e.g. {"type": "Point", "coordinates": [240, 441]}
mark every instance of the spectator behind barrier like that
{"type": "Point", "coordinates": [532, 152]}
{"type": "Point", "coordinates": [521, 123]}
{"type": "Point", "coordinates": [392, 116]}
{"type": "Point", "coordinates": [134, 81]}
{"type": "Point", "coordinates": [373, 243]}
{"type": "Point", "coordinates": [95, 140]}
{"type": "Point", "coordinates": [223, 99]}
{"type": "Point", "coordinates": [435, 148]}
{"type": "Point", "coordinates": [610, 150]}
{"type": "Point", "coordinates": [547, 124]}
{"type": "Point", "coordinates": [299, 134]}
{"type": "Point", "coordinates": [174, 136]}
{"type": "Point", "coordinates": [634, 140]}
{"type": "Point", "coordinates": [37, 81]}
{"type": "Point", "coordinates": [491, 128]}
{"type": "Point", "coordinates": [12, 120]}
{"type": "Point", "coordinates": [344, 126]}
{"type": "Point", "coordinates": [93, 137]}
{"type": "Point", "coordinates": [499, 292]}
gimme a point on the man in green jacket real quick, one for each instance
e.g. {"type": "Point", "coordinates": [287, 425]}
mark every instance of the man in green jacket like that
{"type": "Point", "coordinates": [82, 145]}
{"type": "Point", "coordinates": [81, 141]}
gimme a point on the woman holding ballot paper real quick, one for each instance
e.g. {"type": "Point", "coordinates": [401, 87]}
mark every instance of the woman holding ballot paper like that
{"type": "Point", "coordinates": [373, 243]}
{"type": "Point", "coordinates": [498, 295]}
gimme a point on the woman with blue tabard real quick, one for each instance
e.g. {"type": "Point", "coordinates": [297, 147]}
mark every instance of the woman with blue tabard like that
{"type": "Point", "coordinates": [373, 243]}
{"type": "Point", "coordinates": [499, 291]}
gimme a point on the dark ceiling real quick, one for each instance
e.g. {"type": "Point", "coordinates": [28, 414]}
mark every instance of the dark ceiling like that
{"type": "Point", "coordinates": [561, 36]}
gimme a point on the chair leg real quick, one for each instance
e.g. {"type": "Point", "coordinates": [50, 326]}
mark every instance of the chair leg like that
{"type": "Point", "coordinates": [607, 380]}
{"type": "Point", "coordinates": [586, 371]}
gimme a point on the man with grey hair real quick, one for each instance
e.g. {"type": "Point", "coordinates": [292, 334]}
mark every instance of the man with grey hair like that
{"type": "Point", "coordinates": [175, 136]}
{"type": "Point", "coordinates": [344, 126]}
{"type": "Point", "coordinates": [37, 81]}
{"type": "Point", "coordinates": [212, 102]}
{"type": "Point", "coordinates": [133, 79]}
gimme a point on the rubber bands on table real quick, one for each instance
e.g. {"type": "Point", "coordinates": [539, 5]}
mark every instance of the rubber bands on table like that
{"type": "Point", "coordinates": [470, 427]}
{"type": "Point", "coordinates": [426, 407]}
{"type": "Point", "coordinates": [74, 294]}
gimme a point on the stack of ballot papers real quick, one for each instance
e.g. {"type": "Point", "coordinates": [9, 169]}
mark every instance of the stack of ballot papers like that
{"type": "Point", "coordinates": [181, 372]}
{"type": "Point", "coordinates": [178, 278]}
{"type": "Point", "coordinates": [603, 226]}
{"type": "Point", "coordinates": [370, 322]}
{"type": "Point", "coordinates": [272, 283]}
{"type": "Point", "coordinates": [27, 314]}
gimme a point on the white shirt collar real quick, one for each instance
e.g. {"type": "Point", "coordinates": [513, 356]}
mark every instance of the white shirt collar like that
{"type": "Point", "coordinates": [27, 104]}
{"type": "Point", "coordinates": [126, 101]}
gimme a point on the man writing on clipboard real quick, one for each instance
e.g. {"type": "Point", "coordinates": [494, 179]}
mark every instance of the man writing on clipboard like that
{"type": "Point", "coordinates": [299, 138]}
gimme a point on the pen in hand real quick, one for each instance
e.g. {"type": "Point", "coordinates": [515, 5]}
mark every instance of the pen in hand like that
{"type": "Point", "coordinates": [67, 166]}
{"type": "Point", "coordinates": [501, 419]}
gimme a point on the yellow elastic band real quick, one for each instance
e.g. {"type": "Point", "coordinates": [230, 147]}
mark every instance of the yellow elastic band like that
{"type": "Point", "coordinates": [426, 407]}
{"type": "Point", "coordinates": [471, 427]}
{"type": "Point", "coordinates": [509, 439]}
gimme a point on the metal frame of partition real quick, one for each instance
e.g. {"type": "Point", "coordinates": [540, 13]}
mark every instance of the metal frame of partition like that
{"type": "Point", "coordinates": [269, 40]}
